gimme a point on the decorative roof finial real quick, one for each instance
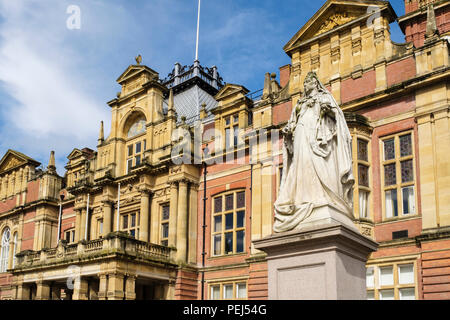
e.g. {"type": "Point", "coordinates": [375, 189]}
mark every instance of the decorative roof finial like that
{"type": "Point", "coordinates": [432, 29]}
{"type": "Point", "coordinates": [101, 135]}
{"type": "Point", "coordinates": [138, 59]}
{"type": "Point", "coordinates": [51, 162]}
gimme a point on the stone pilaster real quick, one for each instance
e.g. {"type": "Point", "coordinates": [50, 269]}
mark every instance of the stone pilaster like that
{"type": "Point", "coordinates": [130, 287]}
{"type": "Point", "coordinates": [23, 292]}
{"type": "Point", "coordinates": [173, 214]}
{"type": "Point", "coordinates": [107, 217]}
{"type": "Point", "coordinates": [42, 290]}
{"type": "Point", "coordinates": [80, 290]}
{"type": "Point", "coordinates": [103, 286]}
{"type": "Point", "coordinates": [182, 222]}
{"type": "Point", "coordinates": [115, 286]}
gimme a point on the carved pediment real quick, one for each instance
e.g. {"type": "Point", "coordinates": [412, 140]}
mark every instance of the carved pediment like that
{"type": "Point", "coordinates": [229, 90]}
{"type": "Point", "coordinates": [13, 159]}
{"type": "Point", "coordinates": [337, 13]}
{"type": "Point", "coordinates": [76, 153]}
{"type": "Point", "coordinates": [137, 71]}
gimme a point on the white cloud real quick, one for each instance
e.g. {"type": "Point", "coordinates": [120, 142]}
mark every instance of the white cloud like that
{"type": "Point", "coordinates": [39, 70]}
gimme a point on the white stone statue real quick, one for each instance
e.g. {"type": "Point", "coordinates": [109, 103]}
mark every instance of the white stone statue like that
{"type": "Point", "coordinates": [317, 161]}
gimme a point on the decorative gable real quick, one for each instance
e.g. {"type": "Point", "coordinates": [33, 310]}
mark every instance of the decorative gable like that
{"type": "Point", "coordinates": [135, 76]}
{"type": "Point", "coordinates": [13, 159]}
{"type": "Point", "coordinates": [335, 14]}
{"type": "Point", "coordinates": [231, 91]}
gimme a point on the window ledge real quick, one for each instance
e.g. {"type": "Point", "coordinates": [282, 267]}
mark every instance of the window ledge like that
{"type": "Point", "coordinates": [398, 219]}
{"type": "Point", "coordinates": [231, 255]}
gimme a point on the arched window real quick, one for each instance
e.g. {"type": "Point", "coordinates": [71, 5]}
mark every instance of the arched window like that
{"type": "Point", "coordinates": [4, 254]}
{"type": "Point", "coordinates": [137, 128]}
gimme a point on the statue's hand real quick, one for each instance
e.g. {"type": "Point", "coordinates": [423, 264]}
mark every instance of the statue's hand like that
{"type": "Point", "coordinates": [327, 109]}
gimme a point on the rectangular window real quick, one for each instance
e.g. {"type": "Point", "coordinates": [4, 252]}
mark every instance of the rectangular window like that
{"type": "Point", "coordinates": [69, 235]}
{"type": "Point", "coordinates": [362, 179]}
{"type": "Point", "coordinates": [399, 176]}
{"type": "Point", "coordinates": [235, 135]}
{"type": "Point", "coordinates": [231, 130]}
{"type": "Point", "coordinates": [135, 154]}
{"type": "Point", "coordinates": [99, 228]}
{"type": "Point", "coordinates": [396, 281]}
{"type": "Point", "coordinates": [129, 165]}
{"type": "Point", "coordinates": [228, 291]}
{"type": "Point", "coordinates": [138, 160]}
{"type": "Point", "coordinates": [386, 276]}
{"type": "Point", "coordinates": [130, 224]}
{"type": "Point", "coordinates": [165, 214]}
{"type": "Point", "coordinates": [406, 274]}
{"type": "Point", "coordinates": [228, 221]}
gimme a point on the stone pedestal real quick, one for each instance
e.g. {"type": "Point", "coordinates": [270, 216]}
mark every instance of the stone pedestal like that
{"type": "Point", "coordinates": [322, 261]}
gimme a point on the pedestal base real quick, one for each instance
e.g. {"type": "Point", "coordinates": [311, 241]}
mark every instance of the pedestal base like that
{"type": "Point", "coordinates": [321, 262]}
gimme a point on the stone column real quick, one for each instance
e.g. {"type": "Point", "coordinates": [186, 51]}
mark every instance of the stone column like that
{"type": "Point", "coordinates": [144, 215]}
{"type": "Point", "coordinates": [82, 225]}
{"type": "Point", "coordinates": [107, 217]}
{"type": "Point", "coordinates": [103, 286]}
{"type": "Point", "coordinates": [193, 223]}
{"type": "Point", "coordinates": [77, 225]}
{"type": "Point", "coordinates": [80, 289]}
{"type": "Point", "coordinates": [182, 222]}
{"type": "Point", "coordinates": [42, 290]}
{"type": "Point", "coordinates": [154, 221]}
{"type": "Point", "coordinates": [130, 288]}
{"type": "Point", "coordinates": [173, 214]}
{"type": "Point", "coordinates": [115, 286]}
{"type": "Point", "coordinates": [23, 292]}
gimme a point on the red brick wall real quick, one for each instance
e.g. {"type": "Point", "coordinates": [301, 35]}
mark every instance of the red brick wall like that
{"type": "Point", "coordinates": [32, 191]}
{"type": "Point", "coordinates": [384, 232]}
{"type": "Point", "coordinates": [285, 73]}
{"type": "Point", "coordinates": [7, 204]}
{"type": "Point", "coordinates": [352, 89]}
{"type": "Point", "coordinates": [186, 286]}
{"type": "Point", "coordinates": [282, 112]}
{"type": "Point", "coordinates": [415, 29]}
{"type": "Point", "coordinates": [400, 71]}
{"type": "Point", "coordinates": [436, 270]}
{"type": "Point", "coordinates": [258, 281]}
{"type": "Point", "coordinates": [28, 232]}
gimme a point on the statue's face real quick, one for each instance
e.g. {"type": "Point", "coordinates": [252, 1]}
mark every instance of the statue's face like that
{"type": "Point", "coordinates": [310, 84]}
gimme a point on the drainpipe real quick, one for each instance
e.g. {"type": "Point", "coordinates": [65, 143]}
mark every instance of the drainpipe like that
{"type": "Point", "coordinates": [61, 196]}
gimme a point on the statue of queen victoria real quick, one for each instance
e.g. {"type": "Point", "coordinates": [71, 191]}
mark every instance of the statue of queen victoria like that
{"type": "Point", "coordinates": [317, 161]}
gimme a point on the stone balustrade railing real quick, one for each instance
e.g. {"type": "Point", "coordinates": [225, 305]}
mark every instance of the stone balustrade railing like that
{"type": "Point", "coordinates": [113, 243]}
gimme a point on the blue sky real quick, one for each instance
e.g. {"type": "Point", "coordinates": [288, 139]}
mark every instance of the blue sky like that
{"type": "Point", "coordinates": [55, 82]}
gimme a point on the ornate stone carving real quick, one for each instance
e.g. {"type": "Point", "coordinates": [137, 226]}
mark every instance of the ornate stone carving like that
{"type": "Point", "coordinates": [335, 20]}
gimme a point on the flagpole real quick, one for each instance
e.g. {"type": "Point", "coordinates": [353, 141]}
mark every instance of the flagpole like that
{"type": "Point", "coordinates": [198, 31]}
